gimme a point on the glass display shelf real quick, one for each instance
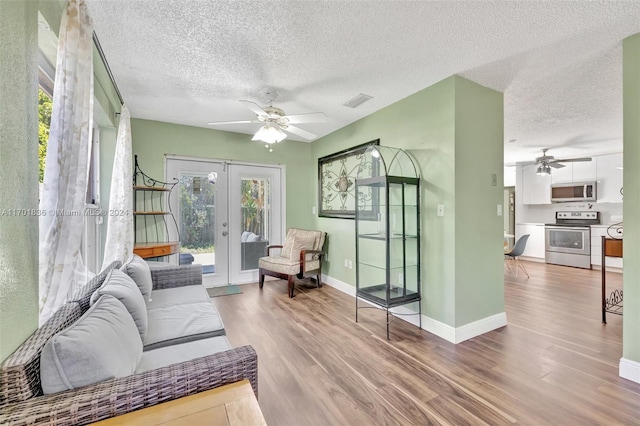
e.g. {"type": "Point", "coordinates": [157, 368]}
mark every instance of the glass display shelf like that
{"type": "Point", "coordinates": [384, 267]}
{"type": "Point", "coordinates": [384, 237]}
{"type": "Point", "coordinates": [397, 295]}
{"type": "Point", "coordinates": [387, 230]}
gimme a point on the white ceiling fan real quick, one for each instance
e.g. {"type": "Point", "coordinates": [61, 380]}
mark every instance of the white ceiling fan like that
{"type": "Point", "coordinates": [547, 161]}
{"type": "Point", "coordinates": [275, 123]}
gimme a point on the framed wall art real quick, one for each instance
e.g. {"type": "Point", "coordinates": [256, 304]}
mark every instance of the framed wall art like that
{"type": "Point", "coordinates": [337, 181]}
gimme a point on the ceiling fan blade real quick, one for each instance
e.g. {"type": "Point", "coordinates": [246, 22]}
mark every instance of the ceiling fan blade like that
{"type": "Point", "coordinates": [525, 163]}
{"type": "Point", "coordinates": [215, 123]}
{"type": "Point", "coordinates": [312, 117]}
{"type": "Point", "coordinates": [556, 165]}
{"type": "Point", "coordinates": [575, 160]}
{"type": "Point", "coordinates": [254, 107]}
{"type": "Point", "coordinates": [298, 131]}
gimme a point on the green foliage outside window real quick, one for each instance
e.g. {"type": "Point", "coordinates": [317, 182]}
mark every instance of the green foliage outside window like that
{"type": "Point", "coordinates": [44, 115]}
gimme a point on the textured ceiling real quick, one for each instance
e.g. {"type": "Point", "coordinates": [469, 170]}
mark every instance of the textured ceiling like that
{"type": "Point", "coordinates": [559, 63]}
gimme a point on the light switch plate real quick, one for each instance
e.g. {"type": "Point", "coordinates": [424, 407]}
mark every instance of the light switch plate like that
{"type": "Point", "coordinates": [440, 210]}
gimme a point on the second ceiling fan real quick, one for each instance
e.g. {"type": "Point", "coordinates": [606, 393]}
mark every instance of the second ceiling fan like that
{"type": "Point", "coordinates": [275, 123]}
{"type": "Point", "coordinates": [546, 162]}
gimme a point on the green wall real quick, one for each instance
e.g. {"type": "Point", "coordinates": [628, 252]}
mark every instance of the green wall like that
{"type": "Point", "coordinates": [479, 230]}
{"type": "Point", "coordinates": [631, 141]}
{"type": "Point", "coordinates": [18, 173]}
{"type": "Point", "coordinates": [153, 139]}
{"type": "Point", "coordinates": [454, 130]}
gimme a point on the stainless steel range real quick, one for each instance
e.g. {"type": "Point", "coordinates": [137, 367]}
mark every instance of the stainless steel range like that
{"type": "Point", "coordinates": [568, 241]}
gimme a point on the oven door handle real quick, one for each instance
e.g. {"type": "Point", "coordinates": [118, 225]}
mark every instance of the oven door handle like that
{"type": "Point", "coordinates": [577, 228]}
{"type": "Point", "coordinates": [584, 191]}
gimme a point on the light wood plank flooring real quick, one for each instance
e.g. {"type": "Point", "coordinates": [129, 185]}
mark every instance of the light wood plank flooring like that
{"type": "Point", "coordinates": [554, 363]}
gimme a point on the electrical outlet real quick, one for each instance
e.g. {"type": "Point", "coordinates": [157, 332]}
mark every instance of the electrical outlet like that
{"type": "Point", "coordinates": [313, 210]}
{"type": "Point", "coordinates": [499, 209]}
{"type": "Point", "coordinates": [346, 263]}
{"type": "Point", "coordinates": [440, 210]}
{"type": "Point", "coordinates": [350, 265]}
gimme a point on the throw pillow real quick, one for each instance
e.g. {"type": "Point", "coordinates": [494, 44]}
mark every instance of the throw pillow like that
{"type": "Point", "coordinates": [102, 344]}
{"type": "Point", "coordinates": [122, 287]}
{"type": "Point", "coordinates": [138, 269]}
{"type": "Point", "coordinates": [253, 237]}
{"type": "Point", "coordinates": [301, 242]}
{"type": "Point", "coordinates": [245, 235]}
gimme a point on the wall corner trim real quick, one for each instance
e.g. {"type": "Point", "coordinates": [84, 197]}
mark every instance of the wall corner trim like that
{"type": "Point", "coordinates": [451, 334]}
{"type": "Point", "coordinates": [630, 370]}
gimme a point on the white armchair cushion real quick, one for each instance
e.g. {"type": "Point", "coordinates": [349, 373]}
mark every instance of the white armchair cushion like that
{"type": "Point", "coordinates": [102, 344]}
{"type": "Point", "coordinates": [280, 264]}
{"type": "Point", "coordinates": [301, 242]}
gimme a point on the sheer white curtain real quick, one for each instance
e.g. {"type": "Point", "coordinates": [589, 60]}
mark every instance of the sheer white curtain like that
{"type": "Point", "coordinates": [67, 163]}
{"type": "Point", "coordinates": [119, 245]}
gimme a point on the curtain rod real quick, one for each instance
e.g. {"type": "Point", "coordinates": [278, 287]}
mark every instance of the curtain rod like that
{"type": "Point", "coordinates": [106, 65]}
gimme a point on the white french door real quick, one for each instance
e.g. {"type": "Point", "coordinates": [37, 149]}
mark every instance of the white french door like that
{"type": "Point", "coordinates": [227, 214]}
{"type": "Point", "coordinates": [199, 203]}
{"type": "Point", "coordinates": [255, 217]}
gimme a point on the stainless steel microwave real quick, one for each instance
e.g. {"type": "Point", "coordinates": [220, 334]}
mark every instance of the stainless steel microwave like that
{"type": "Point", "coordinates": [565, 192]}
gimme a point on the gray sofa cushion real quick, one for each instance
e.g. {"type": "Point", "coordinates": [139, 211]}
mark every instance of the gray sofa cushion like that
{"type": "Point", "coordinates": [173, 354]}
{"type": "Point", "coordinates": [138, 269]}
{"type": "Point", "coordinates": [175, 324]}
{"type": "Point", "coordinates": [102, 344]}
{"type": "Point", "coordinates": [178, 296]}
{"type": "Point", "coordinates": [123, 288]}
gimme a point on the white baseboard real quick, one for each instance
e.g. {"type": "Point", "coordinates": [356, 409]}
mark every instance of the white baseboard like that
{"type": "Point", "coordinates": [533, 259]}
{"type": "Point", "coordinates": [630, 370]}
{"type": "Point", "coordinates": [440, 329]}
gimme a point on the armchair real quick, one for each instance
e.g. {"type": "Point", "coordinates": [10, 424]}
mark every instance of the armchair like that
{"type": "Point", "coordinates": [301, 255]}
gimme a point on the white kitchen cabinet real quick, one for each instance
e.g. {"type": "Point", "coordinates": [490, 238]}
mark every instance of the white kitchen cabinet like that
{"type": "Point", "coordinates": [584, 171]}
{"type": "Point", "coordinates": [535, 189]}
{"type": "Point", "coordinates": [597, 232]}
{"type": "Point", "coordinates": [563, 174]}
{"type": "Point", "coordinates": [609, 177]}
{"type": "Point", "coordinates": [535, 243]}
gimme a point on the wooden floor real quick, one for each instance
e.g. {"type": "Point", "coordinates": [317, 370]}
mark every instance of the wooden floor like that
{"type": "Point", "coordinates": [554, 363]}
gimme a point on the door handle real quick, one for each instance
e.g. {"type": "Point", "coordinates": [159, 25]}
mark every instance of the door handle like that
{"type": "Point", "coordinates": [224, 224]}
{"type": "Point", "coordinates": [225, 233]}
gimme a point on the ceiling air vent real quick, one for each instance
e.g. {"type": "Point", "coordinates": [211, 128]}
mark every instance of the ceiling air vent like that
{"type": "Point", "coordinates": [357, 100]}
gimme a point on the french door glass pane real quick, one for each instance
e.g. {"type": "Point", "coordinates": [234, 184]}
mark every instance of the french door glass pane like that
{"type": "Point", "coordinates": [255, 200]}
{"type": "Point", "coordinates": [197, 219]}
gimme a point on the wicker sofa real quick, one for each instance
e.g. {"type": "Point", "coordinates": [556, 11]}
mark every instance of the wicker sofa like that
{"type": "Point", "coordinates": [22, 401]}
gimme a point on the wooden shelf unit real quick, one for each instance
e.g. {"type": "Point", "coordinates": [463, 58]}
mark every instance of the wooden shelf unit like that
{"type": "Point", "coordinates": [153, 213]}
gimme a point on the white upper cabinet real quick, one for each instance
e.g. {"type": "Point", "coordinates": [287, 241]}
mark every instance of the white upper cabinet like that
{"type": "Point", "coordinates": [609, 177]}
{"type": "Point", "coordinates": [584, 171]}
{"type": "Point", "coordinates": [535, 189]}
{"type": "Point", "coordinates": [575, 172]}
{"type": "Point", "coordinates": [563, 174]}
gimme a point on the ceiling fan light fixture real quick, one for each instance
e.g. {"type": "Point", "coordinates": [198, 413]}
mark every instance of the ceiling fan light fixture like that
{"type": "Point", "coordinates": [269, 134]}
{"type": "Point", "coordinates": [543, 169]}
